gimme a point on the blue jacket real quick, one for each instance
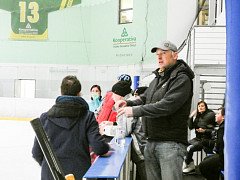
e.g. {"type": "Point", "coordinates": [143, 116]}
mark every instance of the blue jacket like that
{"type": "Point", "coordinates": [71, 129]}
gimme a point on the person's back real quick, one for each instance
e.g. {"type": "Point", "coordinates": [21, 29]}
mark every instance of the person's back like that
{"type": "Point", "coordinates": [106, 112]}
{"type": "Point", "coordinates": [120, 90]}
{"type": "Point", "coordinates": [70, 127]}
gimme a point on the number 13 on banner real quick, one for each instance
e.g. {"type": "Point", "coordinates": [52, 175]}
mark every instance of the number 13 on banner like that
{"type": "Point", "coordinates": [33, 7]}
{"type": "Point", "coordinates": [29, 18]}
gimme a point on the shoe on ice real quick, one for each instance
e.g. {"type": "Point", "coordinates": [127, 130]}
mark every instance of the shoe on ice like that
{"type": "Point", "coordinates": [189, 168]}
{"type": "Point", "coordinates": [184, 165]}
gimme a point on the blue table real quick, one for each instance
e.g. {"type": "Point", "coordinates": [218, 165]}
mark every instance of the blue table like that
{"type": "Point", "coordinates": [114, 166]}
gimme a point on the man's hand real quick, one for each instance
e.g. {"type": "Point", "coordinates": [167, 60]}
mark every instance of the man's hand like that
{"type": "Point", "coordinates": [201, 130]}
{"type": "Point", "coordinates": [193, 113]}
{"type": "Point", "coordinates": [119, 104]}
{"type": "Point", "coordinates": [125, 110]}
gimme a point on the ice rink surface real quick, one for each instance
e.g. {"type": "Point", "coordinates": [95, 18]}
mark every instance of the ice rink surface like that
{"type": "Point", "coordinates": [16, 162]}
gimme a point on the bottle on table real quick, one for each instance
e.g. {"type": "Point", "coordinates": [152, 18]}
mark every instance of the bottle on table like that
{"type": "Point", "coordinates": [121, 130]}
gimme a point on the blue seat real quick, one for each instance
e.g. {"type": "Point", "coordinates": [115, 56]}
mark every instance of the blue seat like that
{"type": "Point", "coordinates": [209, 154]}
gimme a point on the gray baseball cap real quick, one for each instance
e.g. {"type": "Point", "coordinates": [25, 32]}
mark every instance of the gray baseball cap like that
{"type": "Point", "coordinates": [165, 45]}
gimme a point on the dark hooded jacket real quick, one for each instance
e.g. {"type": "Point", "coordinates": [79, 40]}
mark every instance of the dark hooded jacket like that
{"type": "Point", "coordinates": [166, 104]}
{"type": "Point", "coordinates": [206, 121]}
{"type": "Point", "coordinates": [71, 129]}
{"type": "Point", "coordinates": [220, 145]}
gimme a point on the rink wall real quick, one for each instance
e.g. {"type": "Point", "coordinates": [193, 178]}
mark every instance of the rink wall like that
{"type": "Point", "coordinates": [23, 108]}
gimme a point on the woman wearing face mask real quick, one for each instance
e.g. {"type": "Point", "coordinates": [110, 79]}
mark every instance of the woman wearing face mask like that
{"type": "Point", "coordinates": [96, 98]}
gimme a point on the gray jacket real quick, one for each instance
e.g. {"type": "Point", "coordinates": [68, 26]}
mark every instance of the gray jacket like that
{"type": "Point", "coordinates": [165, 105]}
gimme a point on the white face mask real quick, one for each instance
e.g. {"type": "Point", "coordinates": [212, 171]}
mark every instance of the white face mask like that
{"type": "Point", "coordinates": [95, 95]}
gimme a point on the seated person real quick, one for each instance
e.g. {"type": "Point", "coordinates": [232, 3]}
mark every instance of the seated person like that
{"type": "Point", "coordinates": [203, 124]}
{"type": "Point", "coordinates": [211, 166]}
{"type": "Point", "coordinates": [120, 90]}
{"type": "Point", "coordinates": [134, 126]}
{"type": "Point", "coordinates": [106, 112]}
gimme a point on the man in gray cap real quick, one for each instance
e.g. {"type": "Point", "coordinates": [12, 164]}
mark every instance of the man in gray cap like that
{"type": "Point", "coordinates": [165, 107]}
{"type": "Point", "coordinates": [165, 46]}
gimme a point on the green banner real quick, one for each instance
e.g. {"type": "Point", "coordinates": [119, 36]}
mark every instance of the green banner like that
{"type": "Point", "coordinates": [29, 18]}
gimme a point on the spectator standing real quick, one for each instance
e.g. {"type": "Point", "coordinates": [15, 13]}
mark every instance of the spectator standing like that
{"type": "Point", "coordinates": [165, 106]}
{"type": "Point", "coordinates": [70, 127]}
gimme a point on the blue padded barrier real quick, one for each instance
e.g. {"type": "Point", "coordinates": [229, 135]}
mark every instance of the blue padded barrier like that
{"type": "Point", "coordinates": [232, 118]}
{"type": "Point", "coordinates": [112, 166]}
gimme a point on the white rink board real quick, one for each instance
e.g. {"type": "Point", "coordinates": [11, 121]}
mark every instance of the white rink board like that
{"type": "Point", "coordinates": [16, 162]}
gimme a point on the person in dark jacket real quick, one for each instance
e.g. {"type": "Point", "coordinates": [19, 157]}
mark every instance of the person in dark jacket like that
{"type": "Point", "coordinates": [139, 141]}
{"type": "Point", "coordinates": [203, 124]}
{"type": "Point", "coordinates": [211, 166]}
{"type": "Point", "coordinates": [165, 107]}
{"type": "Point", "coordinates": [71, 128]}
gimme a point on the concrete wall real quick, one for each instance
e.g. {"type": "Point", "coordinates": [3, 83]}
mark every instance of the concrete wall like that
{"type": "Point", "coordinates": [48, 77]}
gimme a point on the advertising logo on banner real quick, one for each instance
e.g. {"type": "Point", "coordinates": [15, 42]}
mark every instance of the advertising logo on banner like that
{"type": "Point", "coordinates": [125, 40]}
{"type": "Point", "coordinates": [29, 18]}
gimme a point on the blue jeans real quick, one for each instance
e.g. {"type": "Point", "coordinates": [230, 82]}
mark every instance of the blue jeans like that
{"type": "Point", "coordinates": [164, 160]}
